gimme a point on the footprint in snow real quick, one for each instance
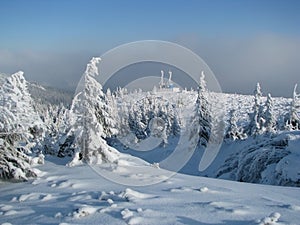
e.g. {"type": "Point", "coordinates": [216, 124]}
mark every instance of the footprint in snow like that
{"type": "Point", "coordinates": [7, 210]}
{"type": "Point", "coordinates": [230, 207]}
{"type": "Point", "coordinates": [33, 197]}
{"type": "Point", "coordinates": [62, 184]}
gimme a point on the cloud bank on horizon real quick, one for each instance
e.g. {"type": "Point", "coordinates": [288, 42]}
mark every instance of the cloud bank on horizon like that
{"type": "Point", "coordinates": [242, 42]}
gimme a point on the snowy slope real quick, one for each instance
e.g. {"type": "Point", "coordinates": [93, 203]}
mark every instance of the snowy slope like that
{"type": "Point", "coordinates": [78, 195]}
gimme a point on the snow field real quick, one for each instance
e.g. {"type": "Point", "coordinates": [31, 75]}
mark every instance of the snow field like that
{"type": "Point", "coordinates": [91, 199]}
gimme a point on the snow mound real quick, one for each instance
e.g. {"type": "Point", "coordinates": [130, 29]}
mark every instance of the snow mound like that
{"type": "Point", "coordinates": [270, 220]}
{"type": "Point", "coordinates": [132, 195]}
{"type": "Point", "coordinates": [126, 213]}
{"type": "Point", "coordinates": [84, 211]}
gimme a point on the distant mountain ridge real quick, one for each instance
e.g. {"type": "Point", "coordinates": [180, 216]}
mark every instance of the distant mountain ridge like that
{"type": "Point", "coordinates": [46, 94]}
{"type": "Point", "coordinates": [49, 95]}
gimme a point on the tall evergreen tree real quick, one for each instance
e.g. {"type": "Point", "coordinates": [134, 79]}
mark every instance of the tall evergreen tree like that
{"type": "Point", "coordinates": [256, 117]}
{"type": "Point", "coordinates": [202, 117]}
{"type": "Point", "coordinates": [293, 121]}
{"type": "Point", "coordinates": [16, 98]}
{"type": "Point", "coordinates": [90, 121]}
{"type": "Point", "coordinates": [270, 121]}
{"type": "Point", "coordinates": [19, 126]}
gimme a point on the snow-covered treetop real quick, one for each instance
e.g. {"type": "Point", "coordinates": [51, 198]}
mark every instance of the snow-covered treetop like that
{"type": "Point", "coordinates": [17, 84]}
{"type": "Point", "coordinates": [170, 76]}
{"type": "Point", "coordinates": [257, 91]}
{"type": "Point", "coordinates": [18, 80]}
{"type": "Point", "coordinates": [202, 82]}
{"type": "Point", "coordinates": [91, 68]}
{"type": "Point", "coordinates": [19, 76]}
{"type": "Point", "coordinates": [269, 98]}
{"type": "Point", "coordinates": [295, 95]}
{"type": "Point", "coordinates": [295, 107]}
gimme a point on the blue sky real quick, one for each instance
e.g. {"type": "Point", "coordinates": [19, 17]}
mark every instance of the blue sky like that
{"type": "Point", "coordinates": [59, 29]}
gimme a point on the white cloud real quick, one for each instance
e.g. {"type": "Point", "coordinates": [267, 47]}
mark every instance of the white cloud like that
{"type": "Point", "coordinates": [53, 69]}
{"type": "Point", "coordinates": [238, 63]}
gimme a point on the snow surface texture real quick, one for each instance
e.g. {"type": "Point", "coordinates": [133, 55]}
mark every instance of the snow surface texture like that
{"type": "Point", "coordinates": [77, 195]}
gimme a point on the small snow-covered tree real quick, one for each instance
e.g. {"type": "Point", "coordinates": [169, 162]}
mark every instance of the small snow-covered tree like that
{"type": "Point", "coordinates": [256, 117]}
{"type": "Point", "coordinates": [234, 132]}
{"type": "Point", "coordinates": [90, 121]}
{"type": "Point", "coordinates": [123, 120]}
{"type": "Point", "coordinates": [142, 112]}
{"type": "Point", "coordinates": [293, 121]}
{"type": "Point", "coordinates": [56, 122]}
{"type": "Point", "coordinates": [14, 163]}
{"type": "Point", "coordinates": [202, 117]}
{"type": "Point", "coordinates": [154, 90]}
{"type": "Point", "coordinates": [270, 121]}
{"type": "Point", "coordinates": [111, 108]}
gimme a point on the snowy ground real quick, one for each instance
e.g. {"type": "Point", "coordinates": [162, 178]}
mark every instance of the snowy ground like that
{"type": "Point", "coordinates": [78, 195]}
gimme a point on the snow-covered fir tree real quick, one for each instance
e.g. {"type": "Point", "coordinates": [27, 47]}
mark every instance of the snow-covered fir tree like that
{"type": "Point", "coordinates": [20, 127]}
{"type": "Point", "coordinates": [91, 122]}
{"type": "Point", "coordinates": [123, 121]}
{"type": "Point", "coordinates": [256, 117]}
{"type": "Point", "coordinates": [111, 122]}
{"type": "Point", "coordinates": [137, 120]}
{"type": "Point", "coordinates": [56, 122]}
{"type": "Point", "coordinates": [202, 117]}
{"type": "Point", "coordinates": [270, 121]}
{"type": "Point", "coordinates": [293, 121]}
{"type": "Point", "coordinates": [153, 107]}
{"type": "Point", "coordinates": [16, 98]}
{"type": "Point", "coordinates": [14, 163]}
{"type": "Point", "coordinates": [234, 132]}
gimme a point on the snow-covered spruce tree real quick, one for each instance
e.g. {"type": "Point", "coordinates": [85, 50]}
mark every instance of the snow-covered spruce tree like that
{"type": "Point", "coordinates": [270, 121]}
{"type": "Point", "coordinates": [293, 121]}
{"type": "Point", "coordinates": [91, 122]}
{"type": "Point", "coordinates": [256, 117]}
{"type": "Point", "coordinates": [19, 127]}
{"type": "Point", "coordinates": [17, 100]}
{"type": "Point", "coordinates": [137, 122]}
{"type": "Point", "coordinates": [234, 132]}
{"type": "Point", "coordinates": [123, 120]}
{"type": "Point", "coordinates": [113, 118]}
{"type": "Point", "coordinates": [151, 107]}
{"type": "Point", "coordinates": [56, 122]}
{"type": "Point", "coordinates": [174, 121]}
{"type": "Point", "coordinates": [202, 117]}
{"type": "Point", "coordinates": [14, 163]}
